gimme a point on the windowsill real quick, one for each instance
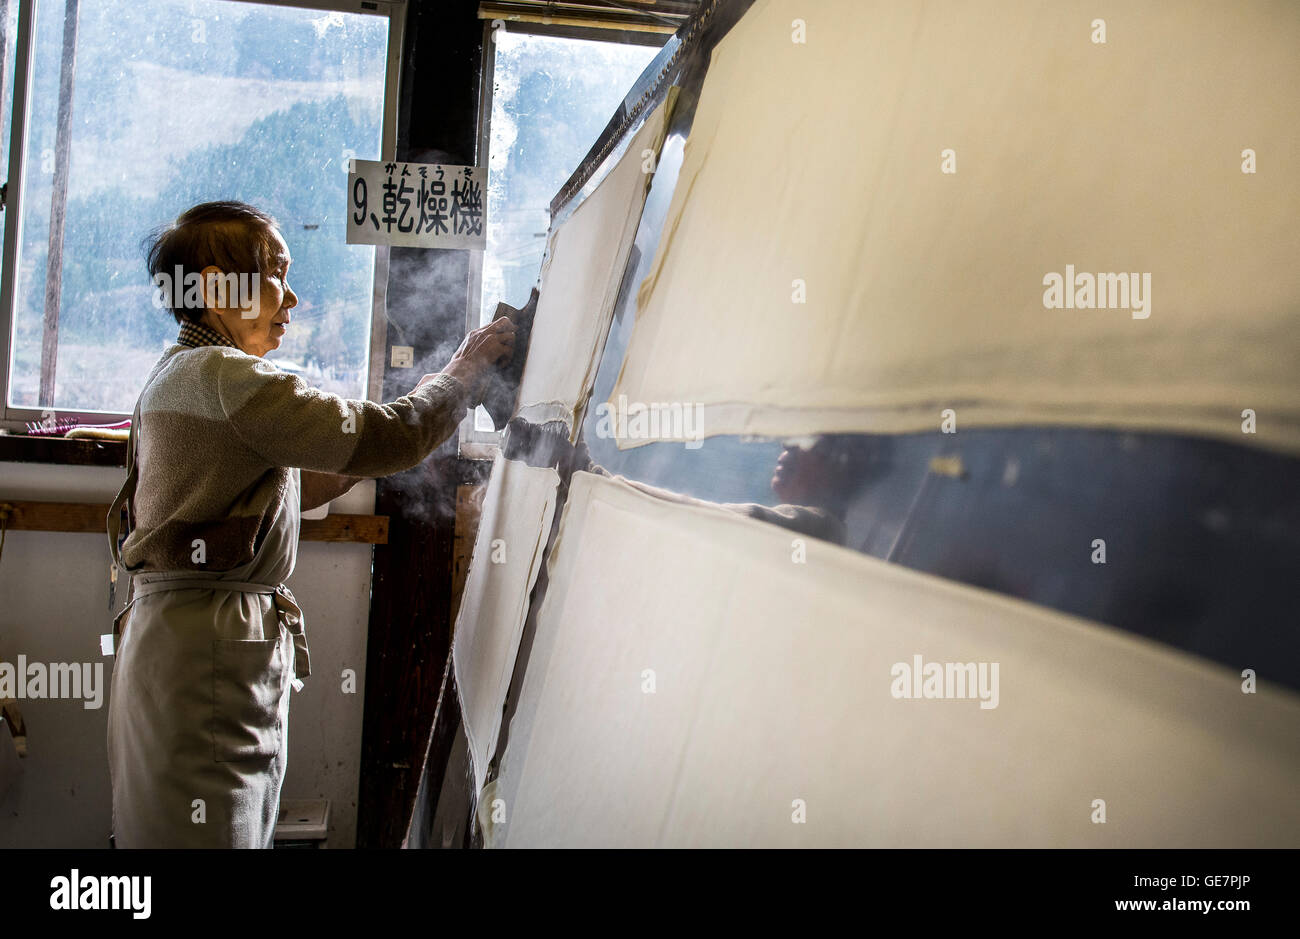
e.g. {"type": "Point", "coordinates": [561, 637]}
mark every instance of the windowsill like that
{"type": "Point", "coordinates": [18, 448]}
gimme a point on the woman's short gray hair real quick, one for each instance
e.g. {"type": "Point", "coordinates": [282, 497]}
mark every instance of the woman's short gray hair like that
{"type": "Point", "coordinates": [234, 237]}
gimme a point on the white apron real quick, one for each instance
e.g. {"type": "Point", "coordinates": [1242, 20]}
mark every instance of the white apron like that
{"type": "Point", "coordinates": [198, 713]}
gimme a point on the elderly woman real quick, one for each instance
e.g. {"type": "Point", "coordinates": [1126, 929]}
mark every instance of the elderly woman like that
{"type": "Point", "coordinates": [225, 450]}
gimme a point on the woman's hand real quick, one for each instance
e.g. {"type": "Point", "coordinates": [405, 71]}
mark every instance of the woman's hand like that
{"type": "Point", "coordinates": [483, 349]}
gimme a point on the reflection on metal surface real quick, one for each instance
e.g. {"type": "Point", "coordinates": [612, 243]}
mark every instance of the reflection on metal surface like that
{"type": "Point", "coordinates": [1201, 538]}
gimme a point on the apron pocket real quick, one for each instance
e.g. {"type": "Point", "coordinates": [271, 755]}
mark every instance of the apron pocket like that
{"type": "Point", "coordinates": [247, 685]}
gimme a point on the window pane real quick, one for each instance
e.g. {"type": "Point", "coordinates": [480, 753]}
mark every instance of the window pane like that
{"type": "Point", "coordinates": [551, 98]}
{"type": "Point", "coordinates": [177, 102]}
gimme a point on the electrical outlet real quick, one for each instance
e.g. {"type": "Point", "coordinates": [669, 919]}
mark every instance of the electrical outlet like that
{"type": "Point", "coordinates": [403, 356]}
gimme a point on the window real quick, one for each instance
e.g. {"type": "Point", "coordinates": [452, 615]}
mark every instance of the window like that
{"type": "Point", "coordinates": [171, 103]}
{"type": "Point", "coordinates": [551, 96]}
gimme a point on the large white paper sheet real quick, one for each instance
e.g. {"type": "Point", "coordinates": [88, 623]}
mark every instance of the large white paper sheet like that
{"type": "Point", "coordinates": [820, 272]}
{"type": "Point", "coordinates": [580, 280]}
{"type": "Point", "coordinates": [691, 683]}
{"type": "Point", "coordinates": [518, 509]}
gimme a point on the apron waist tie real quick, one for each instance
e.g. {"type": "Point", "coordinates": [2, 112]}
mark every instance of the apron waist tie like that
{"type": "Point", "coordinates": [286, 607]}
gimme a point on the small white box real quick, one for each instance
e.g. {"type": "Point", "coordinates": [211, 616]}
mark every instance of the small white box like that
{"type": "Point", "coordinates": [303, 820]}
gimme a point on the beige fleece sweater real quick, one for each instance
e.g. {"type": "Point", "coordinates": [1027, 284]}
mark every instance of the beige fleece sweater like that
{"type": "Point", "coordinates": [221, 431]}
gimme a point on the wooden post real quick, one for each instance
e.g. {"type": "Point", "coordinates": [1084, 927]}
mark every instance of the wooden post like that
{"type": "Point", "coordinates": [410, 609]}
{"type": "Point", "coordinates": [4, 50]}
{"type": "Point", "coordinates": [58, 206]}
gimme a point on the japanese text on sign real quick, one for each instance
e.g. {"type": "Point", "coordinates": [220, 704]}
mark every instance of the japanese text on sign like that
{"type": "Point", "coordinates": [416, 205]}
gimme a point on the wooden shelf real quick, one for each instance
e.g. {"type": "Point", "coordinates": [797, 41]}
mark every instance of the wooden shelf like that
{"type": "Point", "coordinates": [18, 448]}
{"type": "Point", "coordinates": [90, 517]}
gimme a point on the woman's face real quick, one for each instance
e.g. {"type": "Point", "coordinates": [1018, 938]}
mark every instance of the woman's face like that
{"type": "Point", "coordinates": [800, 474]}
{"type": "Point", "coordinates": [259, 329]}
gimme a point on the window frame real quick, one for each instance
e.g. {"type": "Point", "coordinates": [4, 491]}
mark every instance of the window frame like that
{"type": "Point", "coordinates": [14, 417]}
{"type": "Point", "coordinates": [478, 444]}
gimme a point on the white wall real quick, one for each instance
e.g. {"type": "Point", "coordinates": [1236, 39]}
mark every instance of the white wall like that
{"type": "Point", "coordinates": [54, 605]}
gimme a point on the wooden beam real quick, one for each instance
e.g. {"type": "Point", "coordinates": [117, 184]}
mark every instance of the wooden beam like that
{"type": "Point", "coordinates": [58, 206]}
{"type": "Point", "coordinates": [361, 529]}
{"type": "Point", "coordinates": [469, 508]}
{"type": "Point", "coordinates": [408, 643]}
{"type": "Point", "coordinates": [4, 52]}
{"type": "Point", "coordinates": [592, 14]}
{"type": "Point", "coordinates": [19, 448]}
{"type": "Point", "coordinates": [410, 609]}
{"type": "Point", "coordinates": [90, 517]}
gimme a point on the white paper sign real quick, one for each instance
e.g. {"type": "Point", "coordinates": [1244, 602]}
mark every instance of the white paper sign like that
{"type": "Point", "coordinates": [416, 205]}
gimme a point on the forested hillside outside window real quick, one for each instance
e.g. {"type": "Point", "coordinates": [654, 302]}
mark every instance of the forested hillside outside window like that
{"type": "Point", "coordinates": [551, 98]}
{"type": "Point", "coordinates": [167, 103]}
